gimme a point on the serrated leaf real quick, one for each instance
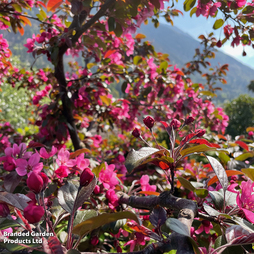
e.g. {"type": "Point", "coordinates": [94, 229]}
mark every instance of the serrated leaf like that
{"type": "Point", "coordinates": [219, 171]}
{"type": "Point", "coordinates": [67, 195]}
{"type": "Point", "coordinates": [100, 220]}
{"type": "Point", "coordinates": [218, 23]}
{"type": "Point", "coordinates": [177, 226]}
{"type": "Point", "coordinates": [17, 200]}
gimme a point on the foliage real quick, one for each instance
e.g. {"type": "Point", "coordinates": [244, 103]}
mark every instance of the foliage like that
{"type": "Point", "coordinates": [240, 112]}
{"type": "Point", "coordinates": [77, 185]}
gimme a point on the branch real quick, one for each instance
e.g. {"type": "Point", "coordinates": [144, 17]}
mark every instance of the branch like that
{"type": "Point", "coordinates": [187, 208]}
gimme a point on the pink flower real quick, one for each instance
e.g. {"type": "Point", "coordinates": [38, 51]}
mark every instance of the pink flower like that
{"type": "Point", "coordinates": [145, 186]}
{"type": "Point", "coordinates": [205, 226]}
{"type": "Point", "coordinates": [33, 164]}
{"type": "Point", "coordinates": [62, 171]}
{"type": "Point", "coordinates": [82, 163]}
{"type": "Point", "coordinates": [246, 200]}
{"type": "Point", "coordinates": [44, 154]}
{"type": "Point", "coordinates": [63, 159]}
{"type": "Point", "coordinates": [108, 177]}
{"type": "Point", "coordinates": [112, 199]}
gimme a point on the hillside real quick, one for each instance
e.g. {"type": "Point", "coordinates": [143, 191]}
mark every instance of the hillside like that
{"type": "Point", "coordinates": [181, 48]}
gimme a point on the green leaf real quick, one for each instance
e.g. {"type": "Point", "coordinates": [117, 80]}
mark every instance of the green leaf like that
{"type": "Point", "coordinates": [118, 30]}
{"type": "Point", "coordinates": [248, 172]}
{"type": "Point", "coordinates": [186, 184]}
{"type": "Point", "coordinates": [188, 4]}
{"type": "Point", "coordinates": [244, 224]}
{"type": "Point", "coordinates": [197, 149]}
{"type": "Point", "coordinates": [193, 10]}
{"type": "Point", "coordinates": [201, 193]}
{"type": "Point", "coordinates": [124, 86]}
{"type": "Point", "coordinates": [219, 171]}
{"type": "Point", "coordinates": [17, 7]}
{"type": "Point", "coordinates": [100, 220]}
{"type": "Point", "coordinates": [177, 226]}
{"type": "Point", "coordinates": [111, 24]}
{"type": "Point", "coordinates": [207, 93]}
{"type": "Point", "coordinates": [218, 23]}
{"type": "Point", "coordinates": [223, 157]}
{"type": "Point", "coordinates": [6, 223]}
{"type": "Point", "coordinates": [137, 60]}
{"type": "Point", "coordinates": [83, 215]}
{"type": "Point", "coordinates": [244, 156]}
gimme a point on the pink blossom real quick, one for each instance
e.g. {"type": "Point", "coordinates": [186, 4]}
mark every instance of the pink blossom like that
{"type": "Point", "coordinates": [108, 177]}
{"type": "Point", "coordinates": [63, 158]}
{"type": "Point", "coordinates": [112, 198]}
{"type": "Point", "coordinates": [205, 226]}
{"type": "Point", "coordinates": [145, 186]}
{"type": "Point", "coordinates": [44, 154]}
{"type": "Point", "coordinates": [246, 200]}
{"type": "Point", "coordinates": [62, 171]}
{"type": "Point", "coordinates": [82, 163]}
{"type": "Point", "coordinates": [33, 164]}
{"type": "Point", "coordinates": [240, 3]}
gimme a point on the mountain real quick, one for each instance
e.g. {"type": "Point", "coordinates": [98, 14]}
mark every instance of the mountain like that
{"type": "Point", "coordinates": [181, 48]}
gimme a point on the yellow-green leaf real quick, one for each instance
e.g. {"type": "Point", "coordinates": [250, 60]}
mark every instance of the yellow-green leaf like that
{"type": "Point", "coordinates": [89, 225]}
{"type": "Point", "coordinates": [197, 149]}
{"type": "Point", "coordinates": [249, 172]}
{"type": "Point", "coordinates": [244, 156]}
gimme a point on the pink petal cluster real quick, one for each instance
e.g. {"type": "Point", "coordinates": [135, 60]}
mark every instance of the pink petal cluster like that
{"type": "Point", "coordinates": [108, 177]}
{"type": "Point", "coordinates": [145, 186]}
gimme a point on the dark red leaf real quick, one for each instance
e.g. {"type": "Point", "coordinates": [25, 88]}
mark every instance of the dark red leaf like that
{"type": "Point", "coordinates": [242, 144]}
{"type": "Point", "coordinates": [33, 144]}
{"type": "Point", "coordinates": [55, 245]}
{"type": "Point", "coordinates": [203, 141]}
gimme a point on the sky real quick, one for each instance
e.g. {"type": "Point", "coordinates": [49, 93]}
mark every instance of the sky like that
{"type": "Point", "coordinates": [196, 26]}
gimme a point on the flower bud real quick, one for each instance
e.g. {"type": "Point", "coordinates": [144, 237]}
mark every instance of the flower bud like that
{"type": "Point", "coordinates": [189, 120]}
{"type": "Point", "coordinates": [200, 133]}
{"type": "Point", "coordinates": [4, 210]}
{"type": "Point", "coordinates": [94, 240]}
{"type": "Point", "coordinates": [175, 124]}
{"type": "Point", "coordinates": [33, 213]}
{"type": "Point", "coordinates": [219, 43]}
{"type": "Point", "coordinates": [86, 177]}
{"type": "Point", "coordinates": [37, 182]}
{"type": "Point", "coordinates": [149, 122]}
{"type": "Point", "coordinates": [119, 249]}
{"type": "Point", "coordinates": [97, 189]}
{"type": "Point", "coordinates": [136, 133]}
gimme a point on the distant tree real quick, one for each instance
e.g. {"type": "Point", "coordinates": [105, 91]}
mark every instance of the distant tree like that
{"type": "Point", "coordinates": [251, 86]}
{"type": "Point", "coordinates": [241, 114]}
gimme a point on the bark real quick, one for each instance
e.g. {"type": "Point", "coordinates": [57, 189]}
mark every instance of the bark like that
{"type": "Point", "coordinates": [60, 74]}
